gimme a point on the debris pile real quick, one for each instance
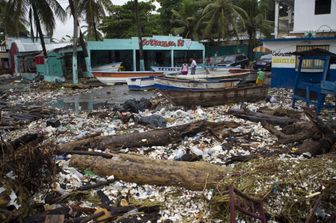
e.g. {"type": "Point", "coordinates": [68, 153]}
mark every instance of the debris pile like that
{"type": "Point", "coordinates": [149, 161]}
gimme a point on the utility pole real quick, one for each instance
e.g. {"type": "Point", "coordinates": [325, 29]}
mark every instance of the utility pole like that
{"type": "Point", "coordinates": [137, 18]}
{"type": "Point", "coordinates": [276, 19]}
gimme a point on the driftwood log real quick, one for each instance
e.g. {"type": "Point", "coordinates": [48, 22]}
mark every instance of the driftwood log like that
{"type": "Point", "coordinates": [313, 136]}
{"type": "Point", "coordinates": [158, 137]}
{"type": "Point", "coordinates": [141, 170]}
{"type": "Point", "coordinates": [310, 131]}
{"type": "Point", "coordinates": [321, 145]}
{"type": "Point", "coordinates": [261, 117]}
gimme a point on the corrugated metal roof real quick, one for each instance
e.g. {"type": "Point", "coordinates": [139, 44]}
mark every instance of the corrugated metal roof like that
{"type": "Point", "coordinates": [35, 47]}
{"type": "Point", "coordinates": [25, 45]}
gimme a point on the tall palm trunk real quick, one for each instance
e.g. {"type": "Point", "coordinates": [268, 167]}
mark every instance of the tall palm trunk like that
{"type": "Point", "coordinates": [39, 30]}
{"type": "Point", "coordinates": [82, 43]}
{"type": "Point", "coordinates": [251, 44]}
{"type": "Point", "coordinates": [95, 30]}
{"type": "Point", "coordinates": [85, 51]}
{"type": "Point", "coordinates": [32, 35]}
{"type": "Point", "coordinates": [75, 37]}
{"type": "Point", "coordinates": [137, 18]}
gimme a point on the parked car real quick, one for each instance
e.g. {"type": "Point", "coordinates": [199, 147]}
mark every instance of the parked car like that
{"type": "Point", "coordinates": [264, 62]}
{"type": "Point", "coordinates": [234, 60]}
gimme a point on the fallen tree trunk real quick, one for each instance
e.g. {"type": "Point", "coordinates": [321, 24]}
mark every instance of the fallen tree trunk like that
{"type": "Point", "coordinates": [261, 117]}
{"type": "Point", "coordinates": [323, 144]}
{"type": "Point", "coordinates": [158, 137]}
{"type": "Point", "coordinates": [141, 170]}
{"type": "Point", "coordinates": [315, 136]}
{"type": "Point", "coordinates": [310, 132]}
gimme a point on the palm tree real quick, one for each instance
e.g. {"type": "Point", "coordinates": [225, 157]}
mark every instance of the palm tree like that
{"type": "Point", "coordinates": [255, 21]}
{"type": "Point", "coordinates": [93, 11]}
{"type": "Point", "coordinates": [42, 14]}
{"type": "Point", "coordinates": [221, 18]}
{"type": "Point", "coordinates": [186, 20]}
{"type": "Point", "coordinates": [11, 24]}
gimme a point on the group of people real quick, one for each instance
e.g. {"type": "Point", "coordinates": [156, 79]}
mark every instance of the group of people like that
{"type": "Point", "coordinates": [185, 68]}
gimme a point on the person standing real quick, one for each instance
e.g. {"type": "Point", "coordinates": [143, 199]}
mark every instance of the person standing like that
{"type": "Point", "coordinates": [261, 77]}
{"type": "Point", "coordinates": [184, 69]}
{"type": "Point", "coordinates": [208, 61]}
{"type": "Point", "coordinates": [193, 66]}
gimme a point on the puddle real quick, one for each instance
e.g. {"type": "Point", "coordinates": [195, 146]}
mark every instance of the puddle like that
{"type": "Point", "coordinates": [105, 97]}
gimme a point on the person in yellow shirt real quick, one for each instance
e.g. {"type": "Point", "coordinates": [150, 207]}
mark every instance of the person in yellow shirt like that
{"type": "Point", "coordinates": [261, 77]}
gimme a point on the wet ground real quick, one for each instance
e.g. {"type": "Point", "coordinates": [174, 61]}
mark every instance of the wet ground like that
{"type": "Point", "coordinates": [100, 97]}
{"type": "Point", "coordinates": [82, 100]}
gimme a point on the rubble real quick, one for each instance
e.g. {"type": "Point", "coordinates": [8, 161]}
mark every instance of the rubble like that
{"type": "Point", "coordinates": [38, 180]}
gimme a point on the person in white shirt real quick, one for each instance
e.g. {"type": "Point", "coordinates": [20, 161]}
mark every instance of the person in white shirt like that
{"type": "Point", "coordinates": [193, 66]}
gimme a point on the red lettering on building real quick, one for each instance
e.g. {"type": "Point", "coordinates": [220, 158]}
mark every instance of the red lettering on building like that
{"type": "Point", "coordinates": [154, 42]}
{"type": "Point", "coordinates": [180, 43]}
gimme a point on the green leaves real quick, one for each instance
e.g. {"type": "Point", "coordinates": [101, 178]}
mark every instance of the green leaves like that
{"type": "Point", "coordinates": [122, 22]}
{"type": "Point", "coordinates": [93, 11]}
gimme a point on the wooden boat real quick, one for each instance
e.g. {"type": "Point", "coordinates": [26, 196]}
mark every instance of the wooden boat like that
{"type": "Point", "coordinates": [213, 97]}
{"type": "Point", "coordinates": [231, 73]}
{"type": "Point", "coordinates": [167, 70]}
{"type": "Point", "coordinates": [199, 70]}
{"type": "Point", "coordinates": [110, 78]}
{"type": "Point", "coordinates": [166, 83]}
{"type": "Point", "coordinates": [140, 83]}
{"type": "Point", "coordinates": [113, 67]}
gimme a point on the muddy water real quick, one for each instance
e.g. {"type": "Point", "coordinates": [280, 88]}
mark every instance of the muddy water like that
{"type": "Point", "coordinates": [103, 97]}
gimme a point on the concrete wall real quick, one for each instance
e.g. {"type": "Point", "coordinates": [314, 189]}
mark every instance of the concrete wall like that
{"type": "Point", "coordinates": [306, 20]}
{"type": "Point", "coordinates": [283, 66]}
{"type": "Point", "coordinates": [288, 45]}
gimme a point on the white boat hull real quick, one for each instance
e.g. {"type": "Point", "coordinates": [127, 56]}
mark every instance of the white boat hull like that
{"type": "Point", "coordinates": [111, 78]}
{"type": "Point", "coordinates": [200, 70]}
{"type": "Point", "coordinates": [113, 67]}
{"type": "Point", "coordinates": [141, 83]}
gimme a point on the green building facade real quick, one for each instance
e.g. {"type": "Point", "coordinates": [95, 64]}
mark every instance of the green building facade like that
{"type": "Point", "coordinates": [158, 51]}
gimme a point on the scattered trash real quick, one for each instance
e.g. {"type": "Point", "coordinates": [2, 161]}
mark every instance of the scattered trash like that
{"type": "Point", "coordinates": [152, 120]}
{"type": "Point", "coordinates": [260, 161]}
{"type": "Point", "coordinates": [137, 105]}
{"type": "Point", "coordinates": [53, 123]}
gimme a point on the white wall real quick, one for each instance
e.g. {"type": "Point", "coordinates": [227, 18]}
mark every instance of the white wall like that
{"type": "Point", "coordinates": [306, 20]}
{"type": "Point", "coordinates": [290, 46]}
{"type": "Point", "coordinates": [283, 47]}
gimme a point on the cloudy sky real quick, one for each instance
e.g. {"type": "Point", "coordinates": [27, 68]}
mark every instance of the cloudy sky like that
{"type": "Point", "coordinates": [63, 29]}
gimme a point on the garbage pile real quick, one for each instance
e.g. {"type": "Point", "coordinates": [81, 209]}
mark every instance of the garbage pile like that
{"type": "Point", "coordinates": [149, 161]}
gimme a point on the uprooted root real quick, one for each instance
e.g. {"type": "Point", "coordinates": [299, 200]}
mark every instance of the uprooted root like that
{"type": "Point", "coordinates": [289, 187]}
{"type": "Point", "coordinates": [25, 171]}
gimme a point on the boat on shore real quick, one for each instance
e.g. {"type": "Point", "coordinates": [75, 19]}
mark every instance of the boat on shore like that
{"type": "Point", "coordinates": [140, 83]}
{"type": "Point", "coordinates": [172, 83]}
{"type": "Point", "coordinates": [199, 70]}
{"type": "Point", "coordinates": [231, 73]}
{"type": "Point", "coordinates": [111, 78]}
{"type": "Point", "coordinates": [214, 97]}
{"type": "Point", "coordinates": [112, 67]}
